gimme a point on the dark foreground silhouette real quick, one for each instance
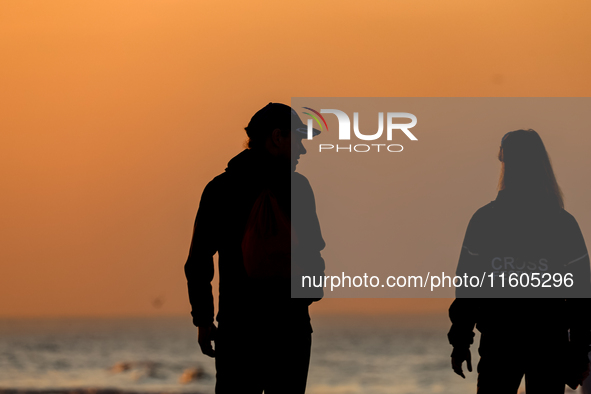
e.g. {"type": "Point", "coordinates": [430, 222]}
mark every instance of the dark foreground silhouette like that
{"type": "Point", "coordinates": [264, 337]}
{"type": "Point", "coordinates": [525, 230]}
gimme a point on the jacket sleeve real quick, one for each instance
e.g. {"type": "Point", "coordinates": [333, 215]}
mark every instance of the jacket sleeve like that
{"type": "Point", "coordinates": [199, 268]}
{"type": "Point", "coordinates": [306, 257]}
{"type": "Point", "coordinates": [576, 262]}
{"type": "Point", "coordinates": [463, 312]}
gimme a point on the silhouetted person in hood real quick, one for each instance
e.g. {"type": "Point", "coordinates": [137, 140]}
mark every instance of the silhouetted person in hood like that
{"type": "Point", "coordinates": [247, 216]}
{"type": "Point", "coordinates": [526, 233]}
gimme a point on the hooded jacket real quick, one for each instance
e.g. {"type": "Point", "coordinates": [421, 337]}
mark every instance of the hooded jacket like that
{"type": "Point", "coordinates": [520, 233]}
{"type": "Point", "coordinates": [219, 227]}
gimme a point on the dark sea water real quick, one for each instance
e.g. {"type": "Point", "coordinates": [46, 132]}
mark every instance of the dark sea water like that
{"type": "Point", "coordinates": [351, 355]}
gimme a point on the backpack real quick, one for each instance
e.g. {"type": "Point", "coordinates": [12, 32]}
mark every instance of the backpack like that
{"type": "Point", "coordinates": [268, 239]}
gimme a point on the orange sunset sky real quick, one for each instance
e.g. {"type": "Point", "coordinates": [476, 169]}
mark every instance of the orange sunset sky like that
{"type": "Point", "coordinates": [115, 114]}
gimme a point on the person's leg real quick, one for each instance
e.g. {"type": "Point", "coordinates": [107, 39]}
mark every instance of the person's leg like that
{"type": "Point", "coordinates": [288, 362]}
{"type": "Point", "coordinates": [301, 351]}
{"type": "Point", "coordinates": [498, 377]}
{"type": "Point", "coordinates": [500, 369]}
{"type": "Point", "coordinates": [544, 382]}
{"type": "Point", "coordinates": [238, 362]}
{"type": "Point", "coordinates": [544, 373]}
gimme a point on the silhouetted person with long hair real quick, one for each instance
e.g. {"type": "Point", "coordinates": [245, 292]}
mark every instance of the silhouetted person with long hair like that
{"type": "Point", "coordinates": [247, 216]}
{"type": "Point", "coordinates": [524, 231]}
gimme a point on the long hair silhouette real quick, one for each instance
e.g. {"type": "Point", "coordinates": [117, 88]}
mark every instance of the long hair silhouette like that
{"type": "Point", "coordinates": [526, 167]}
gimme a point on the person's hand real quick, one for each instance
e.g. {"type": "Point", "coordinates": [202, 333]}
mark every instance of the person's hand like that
{"type": "Point", "coordinates": [206, 334]}
{"type": "Point", "coordinates": [458, 357]}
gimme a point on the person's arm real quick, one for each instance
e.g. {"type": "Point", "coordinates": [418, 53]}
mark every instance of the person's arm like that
{"type": "Point", "coordinates": [577, 263]}
{"type": "Point", "coordinates": [199, 268]}
{"type": "Point", "coordinates": [463, 312]}
{"type": "Point", "coordinates": [306, 256]}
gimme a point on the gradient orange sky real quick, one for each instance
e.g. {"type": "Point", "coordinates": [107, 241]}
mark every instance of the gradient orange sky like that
{"type": "Point", "coordinates": [115, 114]}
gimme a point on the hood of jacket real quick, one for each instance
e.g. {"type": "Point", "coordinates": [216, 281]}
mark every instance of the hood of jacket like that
{"type": "Point", "coordinates": [256, 165]}
{"type": "Point", "coordinates": [258, 171]}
